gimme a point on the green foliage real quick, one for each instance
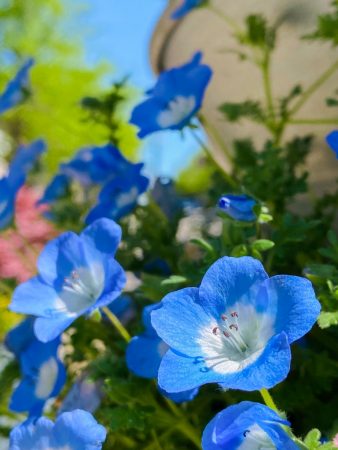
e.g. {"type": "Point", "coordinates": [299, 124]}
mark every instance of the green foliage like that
{"type": "Point", "coordinates": [258, 33]}
{"type": "Point", "coordinates": [327, 26]}
{"type": "Point", "coordinates": [248, 109]}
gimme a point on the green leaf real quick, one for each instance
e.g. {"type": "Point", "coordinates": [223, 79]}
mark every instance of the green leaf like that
{"type": "Point", "coordinates": [249, 109]}
{"type": "Point", "coordinates": [203, 244]}
{"type": "Point", "coordinates": [262, 245]}
{"type": "Point", "coordinates": [239, 250]}
{"type": "Point", "coordinates": [258, 32]}
{"type": "Point", "coordinates": [123, 418]}
{"type": "Point", "coordinates": [174, 279]}
{"type": "Point", "coordinates": [312, 439]}
{"type": "Point", "coordinates": [327, 319]}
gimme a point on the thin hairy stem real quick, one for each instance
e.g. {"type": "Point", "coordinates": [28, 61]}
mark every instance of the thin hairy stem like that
{"type": "Point", "coordinates": [117, 324]}
{"type": "Point", "coordinates": [268, 400]}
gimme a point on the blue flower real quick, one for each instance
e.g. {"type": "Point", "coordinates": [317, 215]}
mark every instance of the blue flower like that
{"type": "Point", "coordinates": [119, 196]}
{"type": "Point", "coordinates": [175, 99]}
{"type": "Point", "coordinates": [76, 430]}
{"type": "Point", "coordinates": [239, 207]}
{"type": "Point", "coordinates": [20, 337]}
{"type": "Point", "coordinates": [22, 163]}
{"type": "Point", "coordinates": [145, 352]}
{"type": "Point", "coordinates": [43, 376]}
{"type": "Point", "coordinates": [17, 89]}
{"type": "Point", "coordinates": [96, 165]}
{"type": "Point", "coordinates": [247, 425]}
{"type": "Point", "coordinates": [332, 141]}
{"type": "Point", "coordinates": [77, 274]}
{"type": "Point", "coordinates": [123, 309]}
{"type": "Point", "coordinates": [185, 8]}
{"type": "Point", "coordinates": [235, 329]}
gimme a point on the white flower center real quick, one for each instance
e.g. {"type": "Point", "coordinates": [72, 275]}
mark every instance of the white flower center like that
{"type": "Point", "coordinates": [82, 288]}
{"type": "Point", "coordinates": [46, 379]}
{"type": "Point", "coordinates": [178, 109]}
{"type": "Point", "coordinates": [256, 439]}
{"type": "Point", "coordinates": [236, 340]}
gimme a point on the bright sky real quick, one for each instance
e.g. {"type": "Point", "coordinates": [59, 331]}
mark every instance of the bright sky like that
{"type": "Point", "coordinates": [119, 31]}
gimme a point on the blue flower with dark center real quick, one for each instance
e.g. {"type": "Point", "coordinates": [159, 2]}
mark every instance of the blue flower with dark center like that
{"type": "Point", "coordinates": [145, 352]}
{"type": "Point", "coordinates": [17, 89]}
{"type": "Point", "coordinates": [22, 163]}
{"type": "Point", "coordinates": [185, 8]}
{"type": "Point", "coordinates": [239, 207]}
{"type": "Point", "coordinates": [235, 329]}
{"type": "Point", "coordinates": [332, 141]}
{"type": "Point", "coordinates": [247, 426]}
{"type": "Point", "coordinates": [119, 196]}
{"type": "Point", "coordinates": [76, 430]}
{"type": "Point", "coordinates": [76, 275]}
{"type": "Point", "coordinates": [175, 99]}
{"type": "Point", "coordinates": [43, 374]}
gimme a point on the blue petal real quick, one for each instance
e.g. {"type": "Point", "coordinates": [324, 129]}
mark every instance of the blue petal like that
{"type": "Point", "coordinates": [48, 328]}
{"type": "Point", "coordinates": [30, 435]}
{"type": "Point", "coordinates": [34, 297]}
{"type": "Point", "coordinates": [228, 281]}
{"type": "Point", "coordinates": [293, 301]}
{"type": "Point", "coordinates": [7, 202]}
{"type": "Point", "coordinates": [104, 235]}
{"type": "Point", "coordinates": [145, 116]}
{"type": "Point", "coordinates": [181, 397]}
{"type": "Point", "coordinates": [23, 162]}
{"type": "Point", "coordinates": [144, 356]}
{"type": "Point", "coordinates": [179, 373]}
{"type": "Point", "coordinates": [57, 188]}
{"type": "Point", "coordinates": [179, 320]}
{"type": "Point", "coordinates": [19, 337]}
{"type": "Point", "coordinates": [23, 399]}
{"type": "Point", "coordinates": [332, 141]}
{"type": "Point", "coordinates": [185, 8]}
{"type": "Point", "coordinates": [78, 430]}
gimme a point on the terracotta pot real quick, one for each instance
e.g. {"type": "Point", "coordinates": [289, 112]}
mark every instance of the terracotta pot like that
{"type": "Point", "coordinates": [294, 62]}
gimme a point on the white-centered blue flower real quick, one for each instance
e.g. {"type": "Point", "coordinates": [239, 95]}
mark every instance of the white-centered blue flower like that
{"type": "Point", "coordinates": [235, 329]}
{"type": "Point", "coordinates": [175, 99]}
{"type": "Point", "coordinates": [43, 374]}
{"type": "Point", "coordinates": [76, 430]}
{"type": "Point", "coordinates": [76, 275]}
{"type": "Point", "coordinates": [247, 426]}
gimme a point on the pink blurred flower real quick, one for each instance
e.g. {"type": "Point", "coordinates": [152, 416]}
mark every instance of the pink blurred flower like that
{"type": "Point", "coordinates": [335, 440]}
{"type": "Point", "coordinates": [19, 248]}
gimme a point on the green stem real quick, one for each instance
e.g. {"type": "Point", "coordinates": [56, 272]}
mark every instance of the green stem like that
{"type": "Point", "coordinates": [313, 88]}
{"type": "Point", "coordinates": [117, 324]}
{"type": "Point", "coordinates": [228, 20]}
{"type": "Point", "coordinates": [210, 129]}
{"type": "Point", "coordinates": [209, 153]}
{"type": "Point", "coordinates": [268, 400]}
{"type": "Point", "coordinates": [265, 67]}
{"type": "Point", "coordinates": [313, 122]}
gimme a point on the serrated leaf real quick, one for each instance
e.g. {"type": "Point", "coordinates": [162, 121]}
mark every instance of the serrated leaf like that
{"type": "Point", "coordinates": [262, 245]}
{"type": "Point", "coordinates": [328, 319]}
{"type": "Point", "coordinates": [248, 109]}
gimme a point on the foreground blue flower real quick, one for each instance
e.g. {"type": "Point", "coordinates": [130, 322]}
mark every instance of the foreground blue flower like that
{"type": "Point", "coordinates": [175, 99]}
{"type": "Point", "coordinates": [21, 164]}
{"type": "Point", "coordinates": [239, 207]}
{"type": "Point", "coordinates": [332, 141]}
{"type": "Point", "coordinates": [145, 352]}
{"type": "Point", "coordinates": [76, 275]}
{"type": "Point", "coordinates": [185, 8]}
{"type": "Point", "coordinates": [17, 89]}
{"type": "Point", "coordinates": [76, 430]}
{"type": "Point", "coordinates": [119, 196]}
{"type": "Point", "coordinates": [235, 329]}
{"type": "Point", "coordinates": [247, 426]}
{"type": "Point", "coordinates": [43, 374]}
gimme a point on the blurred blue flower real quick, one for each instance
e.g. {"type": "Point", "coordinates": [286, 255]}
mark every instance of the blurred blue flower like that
{"type": "Point", "coordinates": [239, 207]}
{"type": "Point", "coordinates": [84, 394]}
{"type": "Point", "coordinates": [175, 99]}
{"type": "Point", "coordinates": [76, 275]}
{"type": "Point", "coordinates": [22, 163]}
{"type": "Point", "coordinates": [57, 188]}
{"type": "Point", "coordinates": [20, 337]}
{"type": "Point", "coordinates": [332, 141]}
{"type": "Point", "coordinates": [247, 425]}
{"type": "Point", "coordinates": [119, 196]}
{"type": "Point", "coordinates": [235, 329]}
{"type": "Point", "coordinates": [17, 89]}
{"type": "Point", "coordinates": [185, 8]}
{"type": "Point", "coordinates": [123, 309]}
{"type": "Point", "coordinates": [76, 430]}
{"type": "Point", "coordinates": [145, 352]}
